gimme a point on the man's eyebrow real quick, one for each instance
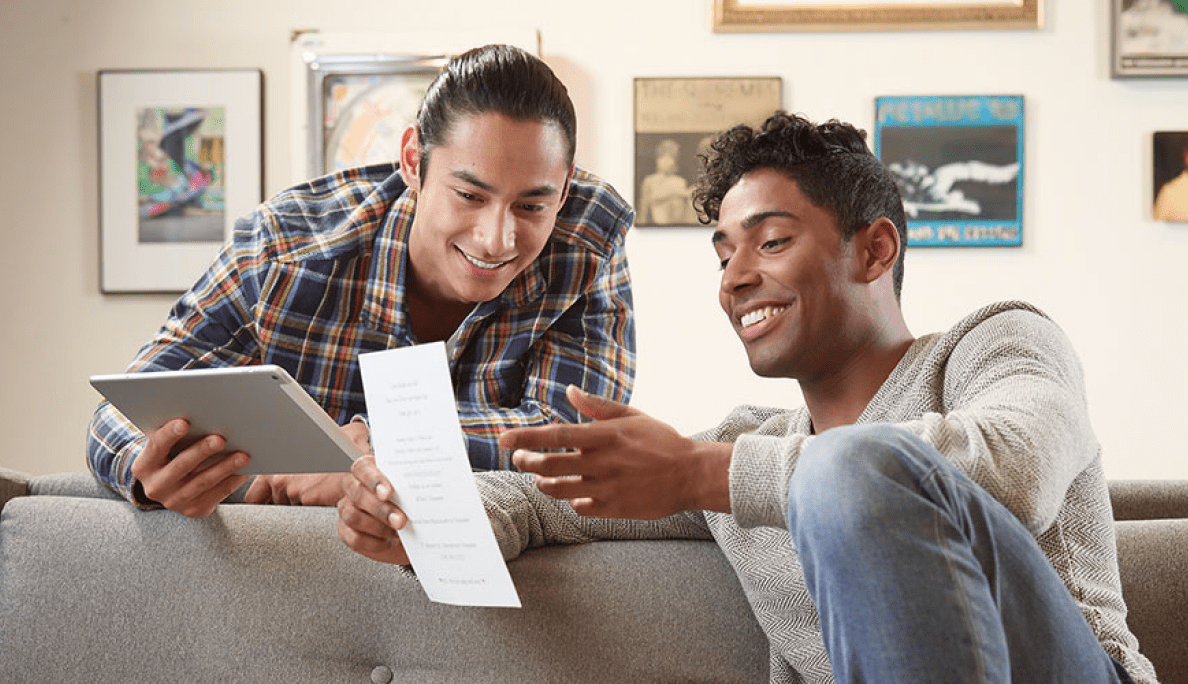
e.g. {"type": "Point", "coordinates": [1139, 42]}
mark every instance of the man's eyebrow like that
{"type": "Point", "coordinates": [758, 217]}
{"type": "Point", "coordinates": [753, 220]}
{"type": "Point", "coordinates": [546, 190]}
{"type": "Point", "coordinates": [468, 177]}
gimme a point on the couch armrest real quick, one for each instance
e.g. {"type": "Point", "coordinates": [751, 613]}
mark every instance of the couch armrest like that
{"type": "Point", "coordinates": [70, 484]}
{"type": "Point", "coordinates": [1149, 499]}
{"type": "Point", "coordinates": [85, 485]}
{"type": "Point", "coordinates": [12, 485]}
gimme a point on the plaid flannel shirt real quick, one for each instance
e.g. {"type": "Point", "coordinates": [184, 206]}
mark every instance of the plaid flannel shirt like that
{"type": "Point", "coordinates": [318, 275]}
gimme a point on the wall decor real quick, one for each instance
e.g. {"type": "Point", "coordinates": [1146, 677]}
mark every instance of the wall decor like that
{"type": "Point", "coordinates": [180, 159]}
{"type": "Point", "coordinates": [1150, 38]}
{"type": "Point", "coordinates": [959, 164]}
{"type": "Point", "coordinates": [350, 92]}
{"type": "Point", "coordinates": [359, 105]}
{"type": "Point", "coordinates": [674, 119]}
{"type": "Point", "coordinates": [875, 15]}
{"type": "Point", "coordinates": [1170, 179]}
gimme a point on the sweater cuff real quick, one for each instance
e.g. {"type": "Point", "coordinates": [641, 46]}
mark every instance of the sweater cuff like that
{"type": "Point", "coordinates": [760, 471]}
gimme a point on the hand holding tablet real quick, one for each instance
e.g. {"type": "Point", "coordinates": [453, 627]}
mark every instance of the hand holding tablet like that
{"type": "Point", "coordinates": [259, 410]}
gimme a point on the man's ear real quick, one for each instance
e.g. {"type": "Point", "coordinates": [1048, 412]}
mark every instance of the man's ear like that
{"type": "Point", "coordinates": [879, 249]}
{"type": "Point", "coordinates": [410, 157]}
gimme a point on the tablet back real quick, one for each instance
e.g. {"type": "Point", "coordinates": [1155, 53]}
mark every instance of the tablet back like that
{"type": "Point", "coordinates": [258, 409]}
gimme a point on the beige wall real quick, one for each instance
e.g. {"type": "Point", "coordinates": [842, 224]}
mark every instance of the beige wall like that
{"type": "Point", "coordinates": [1109, 275]}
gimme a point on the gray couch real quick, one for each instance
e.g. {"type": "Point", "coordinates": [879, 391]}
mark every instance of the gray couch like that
{"type": "Point", "coordinates": [92, 590]}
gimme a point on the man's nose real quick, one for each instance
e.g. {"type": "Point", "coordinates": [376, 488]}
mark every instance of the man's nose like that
{"type": "Point", "coordinates": [496, 231]}
{"type": "Point", "coordinates": [740, 273]}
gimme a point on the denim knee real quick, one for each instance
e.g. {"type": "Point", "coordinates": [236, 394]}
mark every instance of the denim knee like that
{"type": "Point", "coordinates": [841, 476]}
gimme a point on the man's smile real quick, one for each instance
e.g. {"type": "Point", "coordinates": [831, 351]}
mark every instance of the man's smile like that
{"type": "Point", "coordinates": [758, 315]}
{"type": "Point", "coordinates": [485, 265]}
{"type": "Point", "coordinates": [756, 321]}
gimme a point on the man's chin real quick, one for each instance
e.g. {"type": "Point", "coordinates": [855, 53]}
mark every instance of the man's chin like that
{"type": "Point", "coordinates": [765, 368]}
{"type": "Point", "coordinates": [484, 292]}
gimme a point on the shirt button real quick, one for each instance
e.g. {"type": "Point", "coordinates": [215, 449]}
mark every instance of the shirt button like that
{"type": "Point", "coordinates": [381, 675]}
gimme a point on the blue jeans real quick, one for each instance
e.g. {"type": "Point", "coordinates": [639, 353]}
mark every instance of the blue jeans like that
{"type": "Point", "coordinates": [919, 575]}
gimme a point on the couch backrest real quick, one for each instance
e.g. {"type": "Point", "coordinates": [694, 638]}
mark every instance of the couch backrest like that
{"type": "Point", "coordinates": [268, 593]}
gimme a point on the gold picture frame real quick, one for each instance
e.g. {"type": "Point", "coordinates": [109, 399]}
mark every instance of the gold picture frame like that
{"type": "Point", "coordinates": [873, 15]}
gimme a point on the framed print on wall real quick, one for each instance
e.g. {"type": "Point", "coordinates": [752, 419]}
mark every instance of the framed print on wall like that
{"type": "Point", "coordinates": [359, 105]}
{"type": "Point", "coordinates": [875, 15]}
{"type": "Point", "coordinates": [1150, 38]}
{"type": "Point", "coordinates": [328, 71]}
{"type": "Point", "coordinates": [180, 159]}
{"type": "Point", "coordinates": [675, 118]}
{"type": "Point", "coordinates": [1170, 178]}
{"type": "Point", "coordinates": [959, 164]}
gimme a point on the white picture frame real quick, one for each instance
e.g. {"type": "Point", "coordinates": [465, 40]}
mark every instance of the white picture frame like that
{"type": "Point", "coordinates": [140, 116]}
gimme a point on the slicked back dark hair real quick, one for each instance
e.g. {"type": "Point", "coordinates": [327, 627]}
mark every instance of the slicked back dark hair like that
{"type": "Point", "coordinates": [829, 162]}
{"type": "Point", "coordinates": [503, 79]}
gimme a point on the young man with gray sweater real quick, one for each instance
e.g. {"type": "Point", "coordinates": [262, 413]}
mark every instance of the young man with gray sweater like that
{"type": "Point", "coordinates": [936, 512]}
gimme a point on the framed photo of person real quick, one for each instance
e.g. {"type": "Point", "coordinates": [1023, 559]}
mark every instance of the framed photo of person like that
{"type": "Point", "coordinates": [675, 118]}
{"type": "Point", "coordinates": [875, 15]}
{"type": "Point", "coordinates": [180, 159]}
{"type": "Point", "coordinates": [958, 160]}
{"type": "Point", "coordinates": [1150, 38]}
{"type": "Point", "coordinates": [1170, 181]}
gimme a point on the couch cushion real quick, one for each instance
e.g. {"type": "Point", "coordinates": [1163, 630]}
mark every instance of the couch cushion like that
{"type": "Point", "coordinates": [268, 593]}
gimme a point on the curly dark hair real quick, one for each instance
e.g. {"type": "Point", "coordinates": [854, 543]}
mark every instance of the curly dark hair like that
{"type": "Point", "coordinates": [829, 162]}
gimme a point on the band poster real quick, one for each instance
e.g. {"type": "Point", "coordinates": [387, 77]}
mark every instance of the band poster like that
{"type": "Point", "coordinates": [959, 164]}
{"type": "Point", "coordinates": [675, 119]}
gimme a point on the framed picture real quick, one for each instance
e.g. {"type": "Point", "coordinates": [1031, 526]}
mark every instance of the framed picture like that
{"type": "Point", "coordinates": [180, 159]}
{"type": "Point", "coordinates": [1150, 38]}
{"type": "Point", "coordinates": [959, 164]}
{"type": "Point", "coordinates": [675, 118]}
{"type": "Point", "coordinates": [875, 15]}
{"type": "Point", "coordinates": [359, 105]}
{"type": "Point", "coordinates": [1170, 157]}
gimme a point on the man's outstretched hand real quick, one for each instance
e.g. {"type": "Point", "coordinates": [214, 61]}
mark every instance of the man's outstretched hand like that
{"type": "Point", "coordinates": [626, 464]}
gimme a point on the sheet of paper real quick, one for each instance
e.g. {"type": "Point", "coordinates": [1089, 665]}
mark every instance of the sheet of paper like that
{"type": "Point", "coordinates": [419, 447]}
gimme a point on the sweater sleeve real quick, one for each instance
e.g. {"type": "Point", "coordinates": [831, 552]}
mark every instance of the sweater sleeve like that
{"type": "Point", "coordinates": [1017, 422]}
{"type": "Point", "coordinates": [523, 518]}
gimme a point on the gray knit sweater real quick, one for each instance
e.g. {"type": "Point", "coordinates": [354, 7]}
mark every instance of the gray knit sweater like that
{"type": "Point", "coordinates": [1001, 395]}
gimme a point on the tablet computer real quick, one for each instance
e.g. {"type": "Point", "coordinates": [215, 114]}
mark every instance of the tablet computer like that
{"type": "Point", "coordinates": [260, 410]}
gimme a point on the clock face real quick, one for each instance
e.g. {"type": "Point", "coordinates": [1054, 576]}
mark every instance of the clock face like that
{"type": "Point", "coordinates": [365, 116]}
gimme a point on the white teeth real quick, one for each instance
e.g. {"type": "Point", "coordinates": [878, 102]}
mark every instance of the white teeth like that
{"type": "Point", "coordinates": [753, 317]}
{"type": "Point", "coordinates": [482, 264]}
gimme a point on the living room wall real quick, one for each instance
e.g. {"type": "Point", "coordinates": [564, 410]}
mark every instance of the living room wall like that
{"type": "Point", "coordinates": [1091, 257]}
